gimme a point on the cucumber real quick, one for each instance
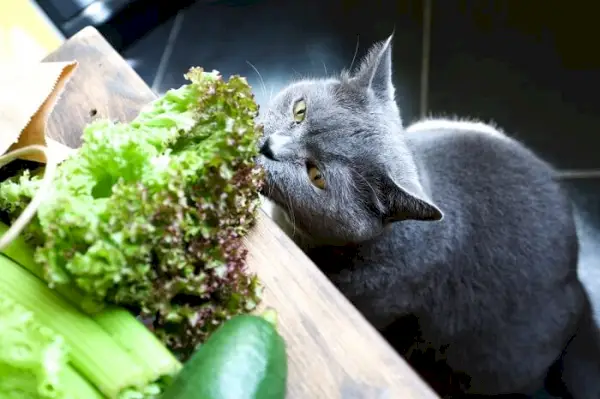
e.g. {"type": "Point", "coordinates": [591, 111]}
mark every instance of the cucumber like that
{"type": "Point", "coordinates": [244, 359]}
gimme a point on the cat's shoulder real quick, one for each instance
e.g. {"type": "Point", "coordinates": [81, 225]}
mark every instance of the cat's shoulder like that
{"type": "Point", "coordinates": [462, 135]}
{"type": "Point", "coordinates": [448, 140]}
{"type": "Point", "coordinates": [457, 126]}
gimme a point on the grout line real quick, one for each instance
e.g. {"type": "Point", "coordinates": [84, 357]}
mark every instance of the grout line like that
{"type": "Point", "coordinates": [425, 54]}
{"type": "Point", "coordinates": [166, 55]}
{"type": "Point", "coordinates": [578, 174]}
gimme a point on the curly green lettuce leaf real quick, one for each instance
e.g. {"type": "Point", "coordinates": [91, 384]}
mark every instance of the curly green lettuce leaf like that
{"type": "Point", "coordinates": [151, 214]}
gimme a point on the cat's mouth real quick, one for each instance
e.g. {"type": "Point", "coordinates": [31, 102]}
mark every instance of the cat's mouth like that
{"type": "Point", "coordinates": [290, 226]}
{"type": "Point", "coordinates": [272, 193]}
{"type": "Point", "coordinates": [268, 189]}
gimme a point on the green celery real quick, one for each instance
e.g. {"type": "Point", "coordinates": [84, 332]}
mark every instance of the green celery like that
{"type": "Point", "coordinates": [23, 253]}
{"type": "Point", "coordinates": [78, 387]}
{"type": "Point", "coordinates": [32, 356]}
{"type": "Point", "coordinates": [139, 342]}
{"type": "Point", "coordinates": [94, 353]}
{"type": "Point", "coordinates": [121, 325]}
{"type": "Point", "coordinates": [34, 359]}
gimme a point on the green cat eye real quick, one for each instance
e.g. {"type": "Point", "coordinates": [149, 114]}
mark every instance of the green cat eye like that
{"type": "Point", "coordinates": [299, 111]}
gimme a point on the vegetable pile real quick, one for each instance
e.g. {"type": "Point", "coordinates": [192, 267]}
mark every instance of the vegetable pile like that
{"type": "Point", "coordinates": [151, 214]}
{"type": "Point", "coordinates": [50, 349]}
{"type": "Point", "coordinates": [146, 219]}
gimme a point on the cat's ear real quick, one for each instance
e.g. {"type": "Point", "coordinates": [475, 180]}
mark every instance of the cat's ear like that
{"type": "Point", "coordinates": [375, 72]}
{"type": "Point", "coordinates": [406, 200]}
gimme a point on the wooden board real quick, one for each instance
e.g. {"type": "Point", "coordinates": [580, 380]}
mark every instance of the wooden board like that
{"type": "Point", "coordinates": [333, 351]}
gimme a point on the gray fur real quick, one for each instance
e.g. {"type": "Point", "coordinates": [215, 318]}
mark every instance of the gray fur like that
{"type": "Point", "coordinates": [460, 226]}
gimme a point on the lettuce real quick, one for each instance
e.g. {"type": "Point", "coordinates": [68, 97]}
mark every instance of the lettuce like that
{"type": "Point", "coordinates": [151, 214]}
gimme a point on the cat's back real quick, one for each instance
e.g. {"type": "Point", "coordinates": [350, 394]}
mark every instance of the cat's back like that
{"type": "Point", "coordinates": [496, 193]}
{"type": "Point", "coordinates": [479, 161]}
{"type": "Point", "coordinates": [508, 226]}
{"type": "Point", "coordinates": [474, 148]}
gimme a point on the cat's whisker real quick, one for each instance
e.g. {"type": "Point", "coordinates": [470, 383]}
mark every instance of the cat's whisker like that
{"type": "Point", "coordinates": [355, 53]}
{"type": "Point", "coordinates": [292, 219]}
{"type": "Point", "coordinates": [290, 212]}
{"type": "Point", "coordinates": [270, 191]}
{"type": "Point", "coordinates": [364, 179]}
{"type": "Point", "coordinates": [298, 74]}
{"type": "Point", "coordinates": [262, 82]}
{"type": "Point", "coordinates": [324, 67]}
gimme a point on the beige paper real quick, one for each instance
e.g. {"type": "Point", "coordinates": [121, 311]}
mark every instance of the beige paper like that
{"type": "Point", "coordinates": [27, 97]}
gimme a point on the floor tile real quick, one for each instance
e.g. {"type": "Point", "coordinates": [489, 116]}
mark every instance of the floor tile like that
{"type": "Point", "coordinates": [145, 54]}
{"type": "Point", "coordinates": [527, 70]}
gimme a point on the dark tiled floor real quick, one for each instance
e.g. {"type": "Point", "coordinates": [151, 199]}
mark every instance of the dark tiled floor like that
{"type": "Point", "coordinates": [528, 71]}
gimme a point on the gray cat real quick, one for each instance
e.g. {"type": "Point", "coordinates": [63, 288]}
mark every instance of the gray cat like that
{"type": "Point", "coordinates": [451, 222]}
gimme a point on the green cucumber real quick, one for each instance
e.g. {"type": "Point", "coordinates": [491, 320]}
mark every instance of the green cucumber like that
{"type": "Point", "coordinates": [244, 359]}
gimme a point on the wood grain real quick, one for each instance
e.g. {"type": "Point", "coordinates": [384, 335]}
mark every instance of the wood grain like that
{"type": "Point", "coordinates": [104, 86]}
{"type": "Point", "coordinates": [333, 351]}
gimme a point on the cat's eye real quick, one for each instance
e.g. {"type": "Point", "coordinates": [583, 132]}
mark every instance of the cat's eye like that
{"type": "Point", "coordinates": [316, 177]}
{"type": "Point", "coordinates": [299, 111]}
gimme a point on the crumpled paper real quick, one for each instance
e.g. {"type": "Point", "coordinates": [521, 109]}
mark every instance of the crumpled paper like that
{"type": "Point", "coordinates": [28, 95]}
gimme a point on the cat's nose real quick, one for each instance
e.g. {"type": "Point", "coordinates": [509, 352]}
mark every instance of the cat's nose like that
{"type": "Point", "coordinates": [266, 150]}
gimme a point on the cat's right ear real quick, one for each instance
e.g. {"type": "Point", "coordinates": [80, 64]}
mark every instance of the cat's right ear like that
{"type": "Point", "coordinates": [375, 72]}
{"type": "Point", "coordinates": [407, 201]}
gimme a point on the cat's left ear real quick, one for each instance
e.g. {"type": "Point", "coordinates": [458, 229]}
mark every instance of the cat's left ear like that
{"type": "Point", "coordinates": [375, 72]}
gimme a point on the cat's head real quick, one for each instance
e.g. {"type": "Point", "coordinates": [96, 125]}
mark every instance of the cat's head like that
{"type": "Point", "coordinates": [335, 156]}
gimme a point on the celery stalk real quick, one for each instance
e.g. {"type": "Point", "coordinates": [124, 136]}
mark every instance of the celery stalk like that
{"type": "Point", "coordinates": [34, 359]}
{"type": "Point", "coordinates": [123, 328]}
{"type": "Point", "coordinates": [140, 343]}
{"type": "Point", "coordinates": [23, 253]}
{"type": "Point", "coordinates": [93, 353]}
{"type": "Point", "coordinates": [78, 387]}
